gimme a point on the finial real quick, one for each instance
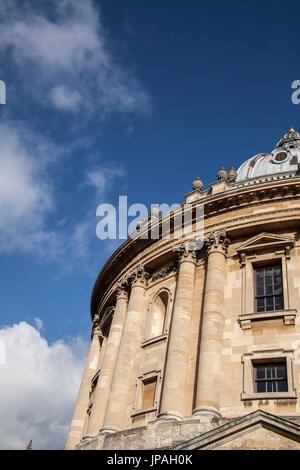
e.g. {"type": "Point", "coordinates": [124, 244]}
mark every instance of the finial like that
{"type": "Point", "coordinates": [292, 131]}
{"type": "Point", "coordinates": [197, 184]}
{"type": "Point", "coordinates": [222, 174]}
{"type": "Point", "coordinates": [231, 175]}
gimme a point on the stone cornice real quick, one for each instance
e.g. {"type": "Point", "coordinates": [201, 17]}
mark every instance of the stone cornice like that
{"type": "Point", "coordinates": [222, 203]}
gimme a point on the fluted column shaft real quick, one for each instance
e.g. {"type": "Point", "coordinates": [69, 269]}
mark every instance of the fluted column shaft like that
{"type": "Point", "coordinates": [172, 403]}
{"type": "Point", "coordinates": [78, 419]}
{"type": "Point", "coordinates": [101, 393]}
{"type": "Point", "coordinates": [210, 357]}
{"type": "Point", "coordinates": [118, 396]}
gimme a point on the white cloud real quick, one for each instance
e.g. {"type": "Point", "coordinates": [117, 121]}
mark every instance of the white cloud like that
{"type": "Point", "coordinates": [64, 43]}
{"type": "Point", "coordinates": [26, 195]}
{"type": "Point", "coordinates": [39, 387]}
{"type": "Point", "coordinates": [65, 99]}
{"type": "Point", "coordinates": [66, 61]}
{"type": "Point", "coordinates": [39, 323]}
{"type": "Point", "coordinates": [82, 242]}
{"type": "Point", "coordinates": [27, 198]}
{"type": "Point", "coordinates": [24, 191]}
{"type": "Point", "coordinates": [101, 178]}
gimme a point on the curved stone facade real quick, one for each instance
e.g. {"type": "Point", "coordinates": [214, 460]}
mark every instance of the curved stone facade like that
{"type": "Point", "coordinates": [179, 338]}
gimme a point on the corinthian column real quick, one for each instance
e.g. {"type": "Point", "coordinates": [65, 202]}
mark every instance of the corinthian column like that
{"type": "Point", "coordinates": [118, 396]}
{"type": "Point", "coordinates": [210, 357]}
{"type": "Point", "coordinates": [109, 362]}
{"type": "Point", "coordinates": [77, 423]}
{"type": "Point", "coordinates": [172, 404]}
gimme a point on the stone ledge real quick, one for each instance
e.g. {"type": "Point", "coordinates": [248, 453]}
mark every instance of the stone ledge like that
{"type": "Point", "coordinates": [288, 317]}
{"type": "Point", "coordinates": [156, 339]}
{"type": "Point", "coordinates": [269, 396]}
{"type": "Point", "coordinates": [143, 411]}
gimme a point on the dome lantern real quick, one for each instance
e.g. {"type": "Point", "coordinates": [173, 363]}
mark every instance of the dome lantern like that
{"type": "Point", "coordinates": [284, 158]}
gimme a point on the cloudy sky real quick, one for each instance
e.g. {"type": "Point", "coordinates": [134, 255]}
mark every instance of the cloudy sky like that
{"type": "Point", "coordinates": [109, 98]}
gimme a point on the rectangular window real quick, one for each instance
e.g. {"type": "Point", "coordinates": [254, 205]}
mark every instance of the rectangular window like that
{"type": "Point", "coordinates": [148, 392]}
{"type": "Point", "coordinates": [270, 377]}
{"type": "Point", "coordinates": [268, 288]}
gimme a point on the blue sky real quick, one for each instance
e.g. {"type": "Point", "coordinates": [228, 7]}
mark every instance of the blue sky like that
{"type": "Point", "coordinates": [114, 97]}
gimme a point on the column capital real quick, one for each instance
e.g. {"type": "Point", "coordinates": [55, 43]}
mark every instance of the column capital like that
{"type": "Point", "coordinates": [138, 277]}
{"type": "Point", "coordinates": [121, 290]}
{"type": "Point", "coordinates": [217, 242]}
{"type": "Point", "coordinates": [186, 251]}
{"type": "Point", "coordinates": [96, 330]}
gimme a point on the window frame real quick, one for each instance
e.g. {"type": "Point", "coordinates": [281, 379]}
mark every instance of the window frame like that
{"type": "Point", "coordinates": [269, 380]}
{"type": "Point", "coordinates": [248, 316]}
{"type": "Point", "coordinates": [146, 339]}
{"type": "Point", "coordinates": [258, 266]}
{"type": "Point", "coordinates": [267, 356]}
{"type": "Point", "coordinates": [137, 403]}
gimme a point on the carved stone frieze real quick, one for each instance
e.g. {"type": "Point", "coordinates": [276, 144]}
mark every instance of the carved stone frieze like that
{"type": "Point", "coordinates": [163, 272]}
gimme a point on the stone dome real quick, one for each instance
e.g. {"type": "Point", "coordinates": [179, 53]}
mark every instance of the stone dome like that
{"type": "Point", "coordinates": [284, 158]}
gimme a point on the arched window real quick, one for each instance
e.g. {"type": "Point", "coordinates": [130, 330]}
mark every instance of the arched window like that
{"type": "Point", "coordinates": [157, 318]}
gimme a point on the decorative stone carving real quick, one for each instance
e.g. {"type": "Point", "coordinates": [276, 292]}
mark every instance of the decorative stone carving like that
{"type": "Point", "coordinates": [222, 174]}
{"type": "Point", "coordinates": [121, 289]}
{"type": "Point", "coordinates": [217, 241]}
{"type": "Point", "coordinates": [96, 329]}
{"type": "Point", "coordinates": [186, 251]}
{"type": "Point", "coordinates": [231, 175]}
{"type": "Point", "coordinates": [138, 276]}
{"type": "Point", "coordinates": [197, 184]}
{"type": "Point", "coordinates": [163, 272]}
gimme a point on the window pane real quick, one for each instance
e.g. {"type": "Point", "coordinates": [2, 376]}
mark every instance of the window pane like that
{"type": "Point", "coordinates": [260, 373]}
{"type": "Point", "coordinates": [268, 280]}
{"type": "Point", "coordinates": [278, 303]}
{"type": "Point", "coordinates": [277, 278]}
{"type": "Point", "coordinates": [259, 274]}
{"type": "Point", "coordinates": [281, 371]}
{"type": "Point", "coordinates": [261, 387]}
{"type": "Point", "coordinates": [277, 289]}
{"type": "Point", "coordinates": [269, 290]}
{"type": "Point", "coordinates": [260, 291]}
{"type": "Point", "coordinates": [260, 302]}
{"type": "Point", "coordinates": [282, 386]}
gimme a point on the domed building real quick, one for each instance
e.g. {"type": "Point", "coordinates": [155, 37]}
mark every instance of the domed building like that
{"type": "Point", "coordinates": [197, 346]}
